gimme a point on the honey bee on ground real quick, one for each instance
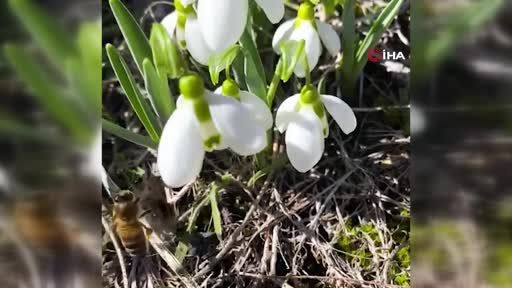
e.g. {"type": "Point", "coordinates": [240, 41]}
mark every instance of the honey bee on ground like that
{"type": "Point", "coordinates": [127, 226]}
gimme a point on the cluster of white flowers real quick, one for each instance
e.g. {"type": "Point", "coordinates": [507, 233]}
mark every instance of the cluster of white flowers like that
{"type": "Point", "coordinates": [231, 118]}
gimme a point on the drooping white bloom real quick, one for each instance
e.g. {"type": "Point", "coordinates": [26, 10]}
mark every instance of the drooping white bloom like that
{"type": "Point", "coordinates": [223, 21]}
{"type": "Point", "coordinates": [304, 119]}
{"type": "Point", "coordinates": [256, 106]}
{"type": "Point", "coordinates": [204, 121]}
{"type": "Point", "coordinates": [314, 33]}
{"type": "Point", "coordinates": [217, 25]}
{"type": "Point", "coordinates": [183, 26]}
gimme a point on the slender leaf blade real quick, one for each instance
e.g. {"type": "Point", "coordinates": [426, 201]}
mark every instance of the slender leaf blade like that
{"type": "Point", "coordinates": [219, 62]}
{"type": "Point", "coordinates": [253, 67]}
{"type": "Point", "coordinates": [158, 89]}
{"type": "Point", "coordinates": [166, 55]}
{"type": "Point", "coordinates": [47, 33]}
{"type": "Point", "coordinates": [217, 222]}
{"type": "Point", "coordinates": [137, 41]}
{"type": "Point", "coordinates": [138, 103]}
{"type": "Point", "coordinates": [49, 95]}
{"type": "Point", "coordinates": [349, 36]}
{"type": "Point", "coordinates": [128, 135]}
{"type": "Point", "coordinates": [291, 52]}
{"type": "Point", "coordinates": [378, 27]}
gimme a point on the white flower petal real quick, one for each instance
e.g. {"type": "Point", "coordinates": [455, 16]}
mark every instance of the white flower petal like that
{"type": "Point", "coordinates": [258, 109]}
{"type": "Point", "coordinates": [341, 112]}
{"type": "Point", "coordinates": [222, 22]}
{"type": "Point", "coordinates": [169, 22]}
{"type": "Point", "coordinates": [282, 34]}
{"type": "Point", "coordinates": [240, 131]}
{"type": "Point", "coordinates": [180, 102]}
{"type": "Point", "coordinates": [304, 141]}
{"type": "Point", "coordinates": [287, 112]}
{"type": "Point", "coordinates": [188, 2]}
{"type": "Point", "coordinates": [180, 152]}
{"type": "Point", "coordinates": [274, 9]}
{"type": "Point", "coordinates": [195, 41]}
{"type": "Point", "coordinates": [329, 37]}
{"type": "Point", "coordinates": [312, 48]}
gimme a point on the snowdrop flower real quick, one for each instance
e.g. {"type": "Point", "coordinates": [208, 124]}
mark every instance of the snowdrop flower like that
{"type": "Point", "coordinates": [257, 107]}
{"type": "Point", "coordinates": [183, 26]}
{"type": "Point", "coordinates": [204, 121]}
{"type": "Point", "coordinates": [313, 32]}
{"type": "Point", "coordinates": [304, 119]}
{"type": "Point", "coordinates": [223, 21]}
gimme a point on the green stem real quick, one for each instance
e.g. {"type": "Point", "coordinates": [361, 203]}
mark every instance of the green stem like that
{"type": "Point", "coordinates": [228, 75]}
{"type": "Point", "coordinates": [306, 69]}
{"type": "Point", "coordinates": [274, 84]}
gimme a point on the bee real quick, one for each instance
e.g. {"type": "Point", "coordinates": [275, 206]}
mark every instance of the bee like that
{"type": "Point", "coordinates": [37, 222]}
{"type": "Point", "coordinates": [126, 224]}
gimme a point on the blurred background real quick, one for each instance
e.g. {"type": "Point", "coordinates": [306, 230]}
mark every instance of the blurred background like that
{"type": "Point", "coordinates": [461, 144]}
{"type": "Point", "coordinates": [50, 77]}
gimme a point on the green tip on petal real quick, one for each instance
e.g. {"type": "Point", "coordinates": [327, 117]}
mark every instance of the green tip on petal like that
{"type": "Point", "coordinates": [309, 95]}
{"type": "Point", "coordinates": [191, 86]}
{"type": "Point", "coordinates": [230, 88]}
{"type": "Point", "coordinates": [306, 11]}
{"type": "Point", "coordinates": [212, 142]}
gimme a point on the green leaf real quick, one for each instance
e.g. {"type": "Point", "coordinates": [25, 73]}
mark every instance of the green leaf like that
{"type": "Point", "coordinates": [128, 135]}
{"type": "Point", "coordinates": [217, 222]}
{"type": "Point", "coordinates": [138, 103]}
{"type": "Point", "coordinates": [55, 42]}
{"type": "Point", "coordinates": [253, 67]}
{"type": "Point", "coordinates": [166, 55]}
{"type": "Point", "coordinates": [137, 42]}
{"type": "Point", "coordinates": [291, 53]}
{"type": "Point", "coordinates": [158, 89]}
{"type": "Point", "coordinates": [48, 94]}
{"type": "Point", "coordinates": [378, 27]}
{"type": "Point", "coordinates": [85, 69]}
{"type": "Point", "coordinates": [220, 61]}
{"type": "Point", "coordinates": [349, 36]}
{"type": "Point", "coordinates": [349, 41]}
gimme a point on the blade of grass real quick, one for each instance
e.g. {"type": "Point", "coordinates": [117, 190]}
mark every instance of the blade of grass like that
{"type": "Point", "coordinates": [349, 40]}
{"type": "Point", "coordinates": [46, 32]}
{"type": "Point", "coordinates": [138, 103]}
{"type": "Point", "coordinates": [89, 56]}
{"type": "Point", "coordinates": [378, 27]}
{"type": "Point", "coordinates": [253, 67]}
{"type": "Point", "coordinates": [127, 135]}
{"type": "Point", "coordinates": [217, 222]}
{"type": "Point", "coordinates": [158, 89]}
{"type": "Point", "coordinates": [48, 94]}
{"type": "Point", "coordinates": [137, 41]}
